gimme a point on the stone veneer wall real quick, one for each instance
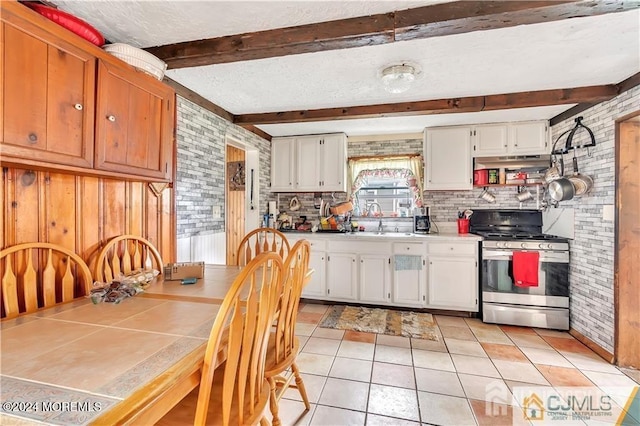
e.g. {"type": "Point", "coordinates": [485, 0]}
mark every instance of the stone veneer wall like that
{"type": "Point", "coordinates": [592, 250]}
{"type": "Point", "coordinates": [444, 205]}
{"type": "Point", "coordinates": [201, 140]}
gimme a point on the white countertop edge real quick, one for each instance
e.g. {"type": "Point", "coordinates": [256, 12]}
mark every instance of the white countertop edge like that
{"type": "Point", "coordinates": [393, 236]}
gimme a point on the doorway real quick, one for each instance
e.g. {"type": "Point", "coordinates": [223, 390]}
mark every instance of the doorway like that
{"type": "Point", "coordinates": [242, 195]}
{"type": "Point", "coordinates": [627, 257]}
{"type": "Point", "coordinates": [235, 183]}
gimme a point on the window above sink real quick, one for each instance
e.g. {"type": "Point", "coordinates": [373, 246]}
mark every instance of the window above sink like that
{"type": "Point", "coordinates": [386, 186]}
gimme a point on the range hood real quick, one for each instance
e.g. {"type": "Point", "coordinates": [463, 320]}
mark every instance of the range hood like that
{"type": "Point", "coordinates": [518, 162]}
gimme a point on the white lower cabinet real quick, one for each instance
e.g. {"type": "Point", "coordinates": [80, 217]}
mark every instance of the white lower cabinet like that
{"type": "Point", "coordinates": [375, 278]}
{"type": "Point", "coordinates": [316, 288]}
{"type": "Point", "coordinates": [342, 276]}
{"type": "Point", "coordinates": [409, 275]}
{"type": "Point", "coordinates": [438, 275]}
{"type": "Point", "coordinates": [453, 276]}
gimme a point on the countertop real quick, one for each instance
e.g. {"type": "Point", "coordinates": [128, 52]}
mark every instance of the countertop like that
{"type": "Point", "coordinates": [399, 236]}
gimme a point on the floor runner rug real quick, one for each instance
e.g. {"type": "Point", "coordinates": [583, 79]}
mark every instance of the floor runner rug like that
{"type": "Point", "coordinates": [382, 321]}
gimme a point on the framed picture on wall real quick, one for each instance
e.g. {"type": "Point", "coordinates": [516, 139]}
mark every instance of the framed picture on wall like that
{"type": "Point", "coordinates": [235, 175]}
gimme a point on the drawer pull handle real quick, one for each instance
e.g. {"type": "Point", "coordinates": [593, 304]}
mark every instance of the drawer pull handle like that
{"type": "Point", "coordinates": [111, 118]}
{"type": "Point", "coordinates": [78, 107]}
{"type": "Point", "coordinates": [33, 138]}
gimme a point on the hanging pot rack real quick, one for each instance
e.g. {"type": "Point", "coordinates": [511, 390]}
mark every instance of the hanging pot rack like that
{"type": "Point", "coordinates": [568, 146]}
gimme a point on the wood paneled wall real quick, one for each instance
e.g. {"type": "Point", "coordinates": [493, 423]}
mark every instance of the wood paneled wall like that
{"type": "Point", "coordinates": [82, 213]}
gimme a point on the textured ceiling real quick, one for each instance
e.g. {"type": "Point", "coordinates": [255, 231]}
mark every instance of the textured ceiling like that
{"type": "Point", "coordinates": [570, 53]}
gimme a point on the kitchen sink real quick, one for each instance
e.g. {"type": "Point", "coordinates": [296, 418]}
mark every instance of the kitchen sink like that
{"type": "Point", "coordinates": [380, 234]}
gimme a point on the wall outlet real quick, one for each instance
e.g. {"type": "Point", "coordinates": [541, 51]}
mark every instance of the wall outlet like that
{"type": "Point", "coordinates": [217, 214]}
{"type": "Point", "coordinates": [608, 212]}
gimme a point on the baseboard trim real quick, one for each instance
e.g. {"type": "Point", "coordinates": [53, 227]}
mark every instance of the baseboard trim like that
{"type": "Point", "coordinates": [602, 352]}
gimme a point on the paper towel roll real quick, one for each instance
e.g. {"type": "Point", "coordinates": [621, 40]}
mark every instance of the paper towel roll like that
{"type": "Point", "coordinates": [272, 208]}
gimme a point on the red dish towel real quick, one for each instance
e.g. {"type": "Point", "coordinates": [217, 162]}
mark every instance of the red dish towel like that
{"type": "Point", "coordinates": [525, 268]}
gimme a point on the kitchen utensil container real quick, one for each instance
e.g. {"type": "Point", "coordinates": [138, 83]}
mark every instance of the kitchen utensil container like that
{"type": "Point", "coordinates": [463, 226]}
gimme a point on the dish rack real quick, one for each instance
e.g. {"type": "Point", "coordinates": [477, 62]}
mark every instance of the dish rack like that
{"type": "Point", "coordinates": [138, 58]}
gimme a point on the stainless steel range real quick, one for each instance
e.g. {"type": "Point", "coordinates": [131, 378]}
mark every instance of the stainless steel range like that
{"type": "Point", "coordinates": [545, 304]}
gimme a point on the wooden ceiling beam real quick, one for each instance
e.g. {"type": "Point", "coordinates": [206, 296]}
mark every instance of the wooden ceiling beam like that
{"type": "Point", "coordinates": [440, 106]}
{"type": "Point", "coordinates": [429, 21]}
{"type": "Point", "coordinates": [623, 86]}
{"type": "Point", "coordinates": [253, 129]}
{"type": "Point", "coordinates": [342, 34]}
{"type": "Point", "coordinates": [460, 17]}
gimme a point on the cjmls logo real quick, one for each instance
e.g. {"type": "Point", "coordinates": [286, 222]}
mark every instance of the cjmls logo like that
{"type": "Point", "coordinates": [533, 407]}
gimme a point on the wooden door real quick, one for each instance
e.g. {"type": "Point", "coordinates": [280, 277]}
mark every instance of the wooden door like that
{"type": "Point", "coordinates": [134, 123]}
{"type": "Point", "coordinates": [627, 256]}
{"type": "Point", "coordinates": [235, 201]}
{"type": "Point", "coordinates": [48, 105]}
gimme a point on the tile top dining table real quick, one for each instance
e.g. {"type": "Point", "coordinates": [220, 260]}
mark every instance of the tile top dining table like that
{"type": "Point", "coordinates": [80, 363]}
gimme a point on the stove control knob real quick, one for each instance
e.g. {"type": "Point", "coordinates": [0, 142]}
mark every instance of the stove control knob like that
{"type": "Point", "coordinates": [523, 245]}
{"type": "Point", "coordinates": [541, 246]}
{"type": "Point", "coordinates": [549, 246]}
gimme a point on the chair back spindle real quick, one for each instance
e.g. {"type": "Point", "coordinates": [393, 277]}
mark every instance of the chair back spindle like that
{"type": "Point", "coordinates": [53, 277]}
{"type": "Point", "coordinates": [261, 240]}
{"type": "Point", "coordinates": [125, 254]}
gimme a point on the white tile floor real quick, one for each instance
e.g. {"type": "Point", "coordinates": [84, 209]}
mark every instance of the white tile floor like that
{"type": "Point", "coordinates": [355, 378]}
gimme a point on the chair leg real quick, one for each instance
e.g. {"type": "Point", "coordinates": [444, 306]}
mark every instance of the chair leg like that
{"type": "Point", "coordinates": [264, 421]}
{"type": "Point", "coordinates": [300, 386]}
{"type": "Point", "coordinates": [273, 402]}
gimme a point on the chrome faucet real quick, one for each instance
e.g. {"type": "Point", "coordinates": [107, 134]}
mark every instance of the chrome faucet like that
{"type": "Point", "coordinates": [380, 228]}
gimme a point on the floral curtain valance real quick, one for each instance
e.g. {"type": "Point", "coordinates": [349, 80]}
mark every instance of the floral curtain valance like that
{"type": "Point", "coordinates": [400, 166]}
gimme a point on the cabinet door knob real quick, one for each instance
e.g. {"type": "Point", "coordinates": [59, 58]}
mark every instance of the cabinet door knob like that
{"type": "Point", "coordinates": [111, 118]}
{"type": "Point", "coordinates": [33, 138]}
{"type": "Point", "coordinates": [78, 107]}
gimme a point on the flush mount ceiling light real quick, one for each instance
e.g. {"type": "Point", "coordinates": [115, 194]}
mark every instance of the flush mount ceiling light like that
{"type": "Point", "coordinates": [398, 78]}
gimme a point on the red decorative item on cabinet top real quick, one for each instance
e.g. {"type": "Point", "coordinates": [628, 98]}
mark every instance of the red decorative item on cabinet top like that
{"type": "Point", "coordinates": [70, 22]}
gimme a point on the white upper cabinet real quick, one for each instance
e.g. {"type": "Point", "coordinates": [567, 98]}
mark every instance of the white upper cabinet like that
{"type": "Point", "coordinates": [308, 157]}
{"type": "Point", "coordinates": [314, 163]}
{"type": "Point", "coordinates": [333, 163]}
{"type": "Point", "coordinates": [518, 138]}
{"type": "Point", "coordinates": [529, 137]}
{"type": "Point", "coordinates": [282, 164]}
{"type": "Point", "coordinates": [447, 156]}
{"type": "Point", "coordinates": [490, 139]}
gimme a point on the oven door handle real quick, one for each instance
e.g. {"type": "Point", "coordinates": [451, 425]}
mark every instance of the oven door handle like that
{"type": "Point", "coordinates": [545, 257]}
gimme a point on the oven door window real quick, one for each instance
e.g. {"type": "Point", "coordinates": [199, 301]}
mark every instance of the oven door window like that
{"type": "Point", "coordinates": [553, 275]}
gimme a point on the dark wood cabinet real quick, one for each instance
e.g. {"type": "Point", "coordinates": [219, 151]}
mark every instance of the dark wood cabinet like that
{"type": "Point", "coordinates": [48, 98]}
{"type": "Point", "coordinates": [134, 130]}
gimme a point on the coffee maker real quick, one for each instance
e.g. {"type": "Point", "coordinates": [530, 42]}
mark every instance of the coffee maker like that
{"type": "Point", "coordinates": [421, 220]}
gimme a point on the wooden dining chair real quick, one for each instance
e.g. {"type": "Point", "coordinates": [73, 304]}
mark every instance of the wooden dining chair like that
{"type": "Point", "coordinates": [124, 254]}
{"type": "Point", "coordinates": [283, 343]}
{"type": "Point", "coordinates": [38, 275]}
{"type": "Point", "coordinates": [261, 240]}
{"type": "Point", "coordinates": [237, 392]}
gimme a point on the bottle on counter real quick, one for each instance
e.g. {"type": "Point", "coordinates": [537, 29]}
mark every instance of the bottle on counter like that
{"type": "Point", "coordinates": [502, 176]}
